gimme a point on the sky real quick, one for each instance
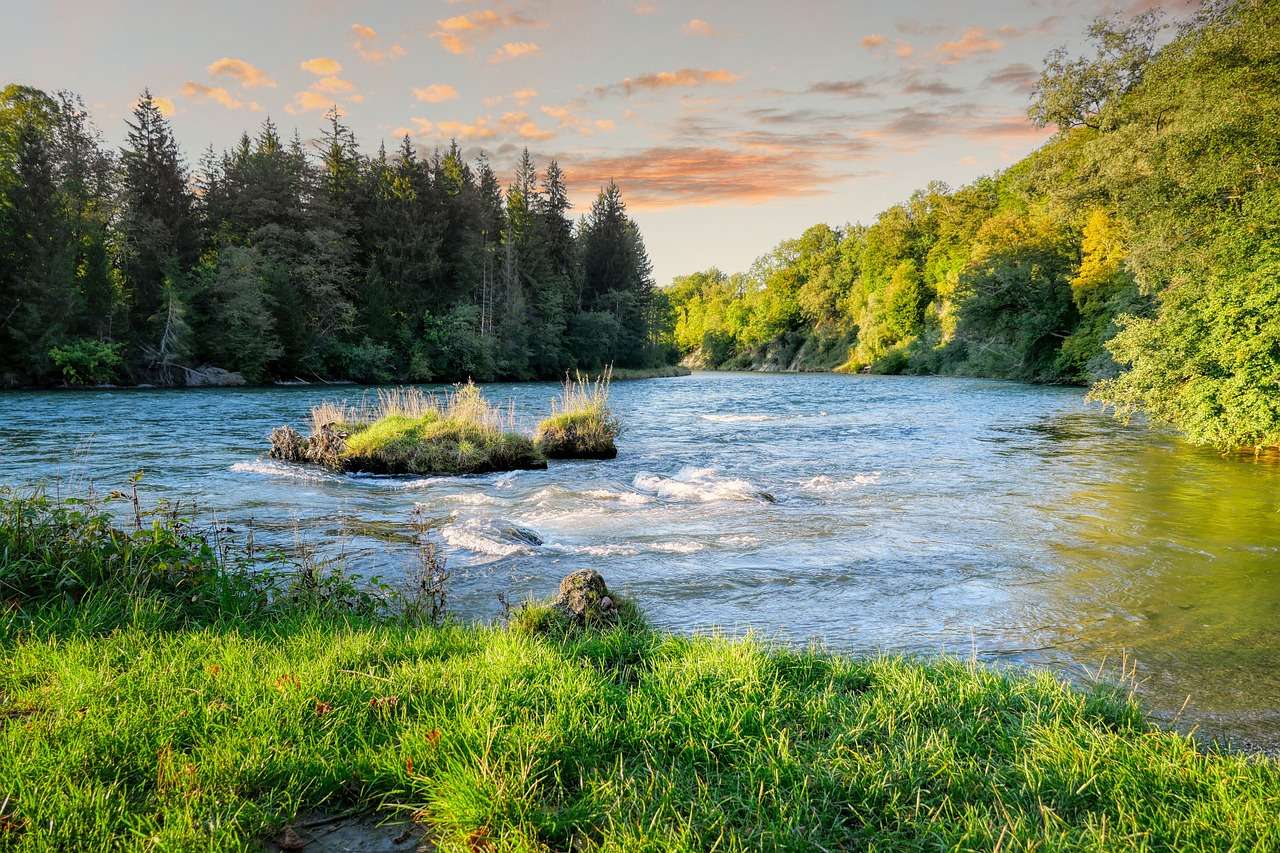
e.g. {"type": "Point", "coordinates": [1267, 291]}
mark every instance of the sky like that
{"type": "Point", "coordinates": [730, 125]}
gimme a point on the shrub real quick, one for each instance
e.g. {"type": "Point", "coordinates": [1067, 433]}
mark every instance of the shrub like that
{"type": "Point", "coordinates": [85, 361]}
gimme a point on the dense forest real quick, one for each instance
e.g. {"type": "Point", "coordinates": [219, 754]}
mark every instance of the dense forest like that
{"type": "Point", "coordinates": [1137, 251]}
{"type": "Point", "coordinates": [284, 260]}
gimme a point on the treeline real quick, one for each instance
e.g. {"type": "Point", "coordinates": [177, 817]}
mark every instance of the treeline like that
{"type": "Point", "coordinates": [1138, 250]}
{"type": "Point", "coordinates": [279, 260]}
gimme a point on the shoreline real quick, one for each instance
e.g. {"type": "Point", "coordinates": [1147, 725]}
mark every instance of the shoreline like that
{"type": "Point", "coordinates": [626, 374]}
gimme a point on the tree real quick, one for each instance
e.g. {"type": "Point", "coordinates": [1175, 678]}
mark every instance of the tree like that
{"type": "Point", "coordinates": [1077, 92]}
{"type": "Point", "coordinates": [157, 228]}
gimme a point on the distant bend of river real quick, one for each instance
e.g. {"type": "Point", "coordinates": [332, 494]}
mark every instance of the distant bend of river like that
{"type": "Point", "coordinates": [920, 515]}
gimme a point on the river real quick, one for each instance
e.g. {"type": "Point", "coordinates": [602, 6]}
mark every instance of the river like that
{"type": "Point", "coordinates": [921, 515]}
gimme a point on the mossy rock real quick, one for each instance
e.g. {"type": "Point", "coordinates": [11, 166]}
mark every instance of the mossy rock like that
{"type": "Point", "coordinates": [577, 435]}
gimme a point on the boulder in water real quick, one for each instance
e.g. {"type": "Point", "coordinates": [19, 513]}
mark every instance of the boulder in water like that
{"type": "Point", "coordinates": [209, 376]}
{"type": "Point", "coordinates": [584, 599]}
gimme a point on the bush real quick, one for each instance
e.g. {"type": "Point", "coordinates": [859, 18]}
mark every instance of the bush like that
{"type": "Point", "coordinates": [86, 361]}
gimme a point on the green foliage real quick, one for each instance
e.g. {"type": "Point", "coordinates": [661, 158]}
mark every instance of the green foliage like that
{"type": "Point", "coordinates": [213, 729]}
{"type": "Point", "coordinates": [1135, 247]}
{"type": "Point", "coordinates": [86, 361]}
{"type": "Point", "coordinates": [284, 263]}
{"type": "Point", "coordinates": [581, 425]}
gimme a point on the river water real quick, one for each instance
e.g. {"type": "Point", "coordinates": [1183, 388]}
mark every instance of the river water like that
{"type": "Point", "coordinates": [922, 515]}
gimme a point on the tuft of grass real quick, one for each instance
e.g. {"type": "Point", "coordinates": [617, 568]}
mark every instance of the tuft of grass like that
{"type": "Point", "coordinates": [581, 425]}
{"type": "Point", "coordinates": [213, 733]}
{"type": "Point", "coordinates": [408, 432]}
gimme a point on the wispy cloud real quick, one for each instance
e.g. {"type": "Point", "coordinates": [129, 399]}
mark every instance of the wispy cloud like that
{"type": "Point", "coordinates": [661, 176]}
{"type": "Point", "coordinates": [567, 118]}
{"type": "Point", "coordinates": [514, 50]}
{"type": "Point", "coordinates": [643, 9]}
{"type": "Point", "coordinates": [685, 77]}
{"type": "Point", "coordinates": [308, 101]}
{"type": "Point", "coordinates": [321, 65]}
{"type": "Point", "coordinates": [843, 88]}
{"type": "Point", "coordinates": [1018, 77]}
{"type": "Point", "coordinates": [368, 44]}
{"type": "Point", "coordinates": [698, 27]}
{"type": "Point", "coordinates": [216, 94]}
{"type": "Point", "coordinates": [164, 105]}
{"type": "Point", "coordinates": [460, 33]}
{"type": "Point", "coordinates": [974, 42]}
{"type": "Point", "coordinates": [873, 41]}
{"type": "Point", "coordinates": [248, 75]}
{"type": "Point", "coordinates": [436, 93]}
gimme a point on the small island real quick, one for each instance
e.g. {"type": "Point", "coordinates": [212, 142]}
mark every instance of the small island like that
{"type": "Point", "coordinates": [409, 432]}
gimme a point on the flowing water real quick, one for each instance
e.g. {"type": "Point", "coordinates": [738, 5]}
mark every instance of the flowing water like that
{"type": "Point", "coordinates": [871, 513]}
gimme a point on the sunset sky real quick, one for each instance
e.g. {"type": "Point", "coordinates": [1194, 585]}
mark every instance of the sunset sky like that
{"type": "Point", "coordinates": [729, 125]}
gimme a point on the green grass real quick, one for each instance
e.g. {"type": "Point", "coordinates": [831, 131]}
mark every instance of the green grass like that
{"type": "Point", "coordinates": [431, 445]}
{"type": "Point", "coordinates": [408, 432]}
{"type": "Point", "coordinates": [581, 425]}
{"type": "Point", "coordinates": [213, 731]}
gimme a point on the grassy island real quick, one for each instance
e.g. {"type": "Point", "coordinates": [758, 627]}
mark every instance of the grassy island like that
{"type": "Point", "coordinates": [157, 695]}
{"type": "Point", "coordinates": [409, 432]}
{"type": "Point", "coordinates": [581, 425]}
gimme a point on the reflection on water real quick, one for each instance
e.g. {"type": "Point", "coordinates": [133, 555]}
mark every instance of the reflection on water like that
{"type": "Point", "coordinates": [914, 514]}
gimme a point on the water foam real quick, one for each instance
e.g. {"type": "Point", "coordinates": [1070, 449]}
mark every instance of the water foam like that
{"type": "Point", "coordinates": [271, 468]}
{"type": "Point", "coordinates": [822, 484]}
{"type": "Point", "coordinates": [485, 537]}
{"type": "Point", "coordinates": [738, 419]}
{"type": "Point", "coordinates": [696, 484]}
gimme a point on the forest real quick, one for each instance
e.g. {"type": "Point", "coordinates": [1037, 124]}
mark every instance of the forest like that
{"type": "Point", "coordinates": [1138, 251]}
{"type": "Point", "coordinates": [285, 260]}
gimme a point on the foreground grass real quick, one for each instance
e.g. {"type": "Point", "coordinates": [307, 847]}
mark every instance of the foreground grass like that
{"type": "Point", "coordinates": [148, 721]}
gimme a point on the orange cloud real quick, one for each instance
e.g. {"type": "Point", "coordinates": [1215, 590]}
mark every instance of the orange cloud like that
{"type": "Point", "coordinates": [698, 27]}
{"type": "Point", "coordinates": [903, 49]}
{"type": "Point", "coordinates": [460, 33]}
{"type": "Point", "coordinates": [523, 96]}
{"type": "Point", "coordinates": [165, 105]}
{"type": "Point", "coordinates": [644, 9]}
{"type": "Point", "coordinates": [676, 176]}
{"type": "Point", "coordinates": [322, 65]}
{"type": "Point", "coordinates": [975, 41]}
{"type": "Point", "coordinates": [479, 129]}
{"type": "Point", "coordinates": [421, 127]}
{"type": "Point", "coordinates": [368, 44]}
{"type": "Point", "coordinates": [436, 93]}
{"type": "Point", "coordinates": [685, 77]}
{"type": "Point", "coordinates": [333, 86]}
{"type": "Point", "coordinates": [217, 94]}
{"type": "Point", "coordinates": [307, 102]}
{"type": "Point", "coordinates": [514, 50]}
{"type": "Point", "coordinates": [873, 41]}
{"type": "Point", "coordinates": [250, 77]}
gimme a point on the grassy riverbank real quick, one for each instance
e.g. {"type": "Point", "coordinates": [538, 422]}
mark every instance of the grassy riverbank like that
{"type": "Point", "coordinates": [154, 696]}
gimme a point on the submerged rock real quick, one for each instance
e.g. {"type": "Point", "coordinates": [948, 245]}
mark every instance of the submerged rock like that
{"type": "Point", "coordinates": [584, 598]}
{"type": "Point", "coordinates": [521, 534]}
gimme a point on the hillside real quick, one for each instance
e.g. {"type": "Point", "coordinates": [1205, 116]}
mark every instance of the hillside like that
{"type": "Point", "coordinates": [1138, 251]}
